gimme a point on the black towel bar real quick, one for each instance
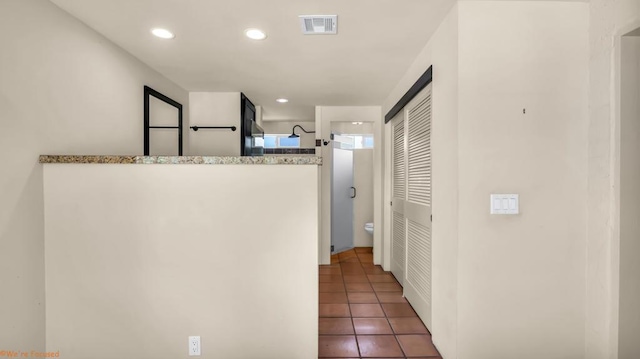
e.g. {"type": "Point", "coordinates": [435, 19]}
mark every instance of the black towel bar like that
{"type": "Point", "coordinates": [196, 128]}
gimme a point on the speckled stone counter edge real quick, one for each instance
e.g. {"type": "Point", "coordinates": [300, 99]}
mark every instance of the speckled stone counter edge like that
{"type": "Point", "coordinates": [209, 160]}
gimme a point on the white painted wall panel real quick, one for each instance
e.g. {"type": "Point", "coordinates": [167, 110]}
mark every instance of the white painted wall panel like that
{"type": "Point", "coordinates": [139, 257]}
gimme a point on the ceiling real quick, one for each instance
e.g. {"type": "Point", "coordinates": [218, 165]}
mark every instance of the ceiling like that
{"type": "Point", "coordinates": [377, 40]}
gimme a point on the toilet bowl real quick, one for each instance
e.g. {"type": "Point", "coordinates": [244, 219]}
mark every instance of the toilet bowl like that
{"type": "Point", "coordinates": [369, 228]}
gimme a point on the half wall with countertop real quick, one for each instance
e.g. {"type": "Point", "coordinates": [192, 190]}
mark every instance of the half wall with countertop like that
{"type": "Point", "coordinates": [143, 252]}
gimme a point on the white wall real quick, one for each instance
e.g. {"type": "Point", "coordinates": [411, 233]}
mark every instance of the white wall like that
{"type": "Point", "coordinates": [363, 203]}
{"type": "Point", "coordinates": [522, 278]}
{"type": "Point", "coordinates": [609, 20]}
{"type": "Point", "coordinates": [214, 109]}
{"type": "Point", "coordinates": [503, 285]}
{"type": "Point", "coordinates": [629, 323]}
{"type": "Point", "coordinates": [325, 116]}
{"type": "Point", "coordinates": [441, 52]}
{"type": "Point", "coordinates": [64, 89]}
{"type": "Point", "coordinates": [124, 281]}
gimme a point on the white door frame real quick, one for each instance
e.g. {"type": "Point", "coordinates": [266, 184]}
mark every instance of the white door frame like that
{"type": "Point", "coordinates": [612, 256]}
{"type": "Point", "coordinates": [325, 116]}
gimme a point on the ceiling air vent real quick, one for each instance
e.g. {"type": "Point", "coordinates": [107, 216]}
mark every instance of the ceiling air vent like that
{"type": "Point", "coordinates": [319, 24]}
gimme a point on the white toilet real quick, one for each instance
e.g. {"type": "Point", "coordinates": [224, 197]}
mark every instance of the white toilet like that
{"type": "Point", "coordinates": [369, 228]}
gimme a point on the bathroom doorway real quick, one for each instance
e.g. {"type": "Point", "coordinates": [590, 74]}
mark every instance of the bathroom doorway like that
{"type": "Point", "coordinates": [351, 186]}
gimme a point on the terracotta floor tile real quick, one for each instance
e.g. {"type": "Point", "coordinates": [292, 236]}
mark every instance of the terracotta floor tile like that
{"type": "Point", "coordinates": [333, 298]}
{"type": "Point", "coordinates": [334, 310]}
{"type": "Point", "coordinates": [372, 326]}
{"type": "Point", "coordinates": [390, 297]}
{"type": "Point", "coordinates": [352, 278]}
{"type": "Point", "coordinates": [408, 325]}
{"type": "Point", "coordinates": [366, 311]}
{"type": "Point", "coordinates": [379, 346]}
{"type": "Point", "coordinates": [327, 270]}
{"type": "Point", "coordinates": [355, 278]}
{"type": "Point", "coordinates": [358, 287]}
{"type": "Point", "coordinates": [353, 271]}
{"type": "Point", "coordinates": [335, 326]}
{"type": "Point", "coordinates": [337, 346]}
{"type": "Point", "coordinates": [347, 254]}
{"type": "Point", "coordinates": [373, 269]}
{"type": "Point", "coordinates": [398, 310]}
{"type": "Point", "coordinates": [381, 278]}
{"type": "Point", "coordinates": [331, 287]}
{"type": "Point", "coordinates": [362, 297]}
{"type": "Point", "coordinates": [386, 287]}
{"type": "Point", "coordinates": [350, 260]}
{"type": "Point", "coordinates": [330, 278]}
{"type": "Point", "coordinates": [417, 345]}
{"type": "Point", "coordinates": [363, 250]}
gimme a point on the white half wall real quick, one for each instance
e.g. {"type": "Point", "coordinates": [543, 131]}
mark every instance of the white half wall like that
{"type": "Point", "coordinates": [64, 89]}
{"type": "Point", "coordinates": [139, 257]}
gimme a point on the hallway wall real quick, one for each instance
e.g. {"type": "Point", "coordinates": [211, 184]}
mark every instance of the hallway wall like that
{"type": "Point", "coordinates": [64, 89]}
{"type": "Point", "coordinates": [522, 277]}
{"type": "Point", "coordinates": [442, 52]}
{"type": "Point", "coordinates": [609, 19]}
{"type": "Point", "coordinates": [502, 282]}
{"type": "Point", "coordinates": [629, 327]}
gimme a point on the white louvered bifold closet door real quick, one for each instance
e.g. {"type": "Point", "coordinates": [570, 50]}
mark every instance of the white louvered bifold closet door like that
{"type": "Point", "coordinates": [399, 194]}
{"type": "Point", "coordinates": [417, 208]}
{"type": "Point", "coordinates": [411, 202]}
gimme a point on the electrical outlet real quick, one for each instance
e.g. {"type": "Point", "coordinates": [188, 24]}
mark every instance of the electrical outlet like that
{"type": "Point", "coordinates": [194, 346]}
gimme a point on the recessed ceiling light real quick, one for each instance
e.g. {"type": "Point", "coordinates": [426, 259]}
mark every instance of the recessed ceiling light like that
{"type": "Point", "coordinates": [282, 100]}
{"type": "Point", "coordinates": [255, 34]}
{"type": "Point", "coordinates": [356, 123]}
{"type": "Point", "coordinates": [163, 33]}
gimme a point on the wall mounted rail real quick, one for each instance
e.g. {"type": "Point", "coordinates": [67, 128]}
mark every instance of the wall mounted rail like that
{"type": "Point", "coordinates": [196, 128]}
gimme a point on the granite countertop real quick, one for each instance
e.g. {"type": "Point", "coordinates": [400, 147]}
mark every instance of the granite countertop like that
{"type": "Point", "coordinates": [209, 160]}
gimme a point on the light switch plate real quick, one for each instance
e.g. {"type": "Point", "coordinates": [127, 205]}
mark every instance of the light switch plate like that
{"type": "Point", "coordinates": [504, 204]}
{"type": "Point", "coordinates": [194, 346]}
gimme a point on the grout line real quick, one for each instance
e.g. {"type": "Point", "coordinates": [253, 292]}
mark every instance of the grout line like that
{"type": "Point", "coordinates": [355, 335]}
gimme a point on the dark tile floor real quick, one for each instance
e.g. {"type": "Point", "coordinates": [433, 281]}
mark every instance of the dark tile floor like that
{"type": "Point", "coordinates": [363, 313]}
